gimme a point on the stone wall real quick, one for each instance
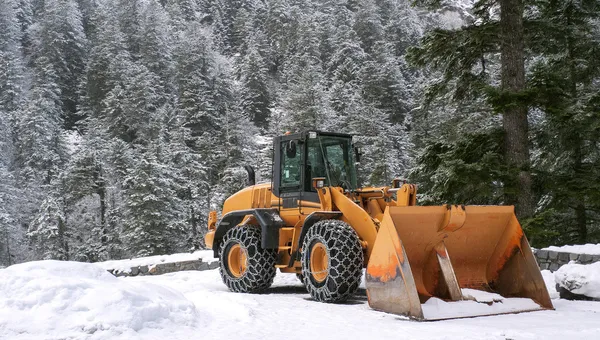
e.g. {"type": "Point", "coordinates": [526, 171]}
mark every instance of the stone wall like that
{"type": "Point", "coordinates": [163, 268]}
{"type": "Point", "coordinates": [552, 260]}
{"type": "Point", "coordinates": [547, 259]}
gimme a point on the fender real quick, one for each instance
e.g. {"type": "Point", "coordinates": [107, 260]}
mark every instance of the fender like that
{"type": "Point", "coordinates": [269, 220]}
{"type": "Point", "coordinates": [309, 222]}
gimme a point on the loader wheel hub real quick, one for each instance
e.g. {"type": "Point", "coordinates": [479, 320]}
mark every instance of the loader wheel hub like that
{"type": "Point", "coordinates": [319, 262]}
{"type": "Point", "coordinates": [237, 260]}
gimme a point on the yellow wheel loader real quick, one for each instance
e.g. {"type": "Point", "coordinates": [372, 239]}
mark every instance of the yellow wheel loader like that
{"type": "Point", "coordinates": [424, 262]}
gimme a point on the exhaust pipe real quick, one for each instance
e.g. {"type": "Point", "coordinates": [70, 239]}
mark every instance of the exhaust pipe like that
{"type": "Point", "coordinates": [251, 175]}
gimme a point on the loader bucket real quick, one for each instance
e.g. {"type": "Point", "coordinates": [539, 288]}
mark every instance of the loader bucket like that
{"type": "Point", "coordinates": [445, 262]}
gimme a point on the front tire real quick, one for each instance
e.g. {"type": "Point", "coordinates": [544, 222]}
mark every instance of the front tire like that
{"type": "Point", "coordinates": [245, 266]}
{"type": "Point", "coordinates": [332, 261]}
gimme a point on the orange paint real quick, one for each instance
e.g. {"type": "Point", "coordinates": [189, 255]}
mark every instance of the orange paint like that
{"type": "Point", "coordinates": [386, 271]}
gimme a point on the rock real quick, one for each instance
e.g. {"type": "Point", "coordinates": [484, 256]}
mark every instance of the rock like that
{"type": "Point", "coordinates": [213, 265]}
{"type": "Point", "coordinates": [544, 266]}
{"type": "Point", "coordinates": [566, 294]}
{"type": "Point", "coordinates": [185, 266]}
{"type": "Point", "coordinates": [596, 258]}
{"type": "Point", "coordinates": [203, 266]}
{"type": "Point", "coordinates": [159, 269]}
{"type": "Point", "coordinates": [573, 257]}
{"type": "Point", "coordinates": [144, 270]}
{"type": "Point", "coordinates": [190, 265]}
{"type": "Point", "coordinates": [563, 257]}
{"type": "Point", "coordinates": [585, 258]}
{"type": "Point", "coordinates": [552, 255]}
{"type": "Point", "coordinates": [542, 254]}
{"type": "Point", "coordinates": [164, 268]}
{"type": "Point", "coordinates": [135, 271]}
{"type": "Point", "coordinates": [554, 267]}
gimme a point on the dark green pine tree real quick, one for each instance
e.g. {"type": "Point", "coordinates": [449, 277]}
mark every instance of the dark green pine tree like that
{"type": "Point", "coordinates": [150, 216]}
{"type": "Point", "coordinates": [86, 191]}
{"type": "Point", "coordinates": [40, 156]}
{"type": "Point", "coordinates": [467, 61]}
{"type": "Point", "coordinates": [12, 75]}
{"type": "Point", "coordinates": [256, 99]}
{"type": "Point", "coordinates": [58, 39]}
{"type": "Point", "coordinates": [368, 25]}
{"type": "Point", "coordinates": [304, 99]}
{"type": "Point", "coordinates": [565, 80]}
{"type": "Point", "coordinates": [156, 47]}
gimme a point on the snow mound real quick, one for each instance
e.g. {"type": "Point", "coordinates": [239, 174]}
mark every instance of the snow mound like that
{"type": "Point", "coordinates": [590, 249]}
{"type": "Point", "coordinates": [550, 284]}
{"type": "Point", "coordinates": [56, 299]}
{"type": "Point", "coordinates": [582, 279]}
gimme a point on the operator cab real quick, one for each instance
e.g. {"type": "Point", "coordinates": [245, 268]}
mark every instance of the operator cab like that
{"type": "Point", "coordinates": [303, 156]}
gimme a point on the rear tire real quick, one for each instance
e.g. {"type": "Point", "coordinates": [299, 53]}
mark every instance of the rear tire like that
{"type": "Point", "coordinates": [332, 261]}
{"type": "Point", "coordinates": [245, 266]}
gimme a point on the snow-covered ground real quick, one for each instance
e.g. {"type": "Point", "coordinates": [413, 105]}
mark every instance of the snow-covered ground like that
{"type": "Point", "coordinates": [550, 282]}
{"type": "Point", "coordinates": [69, 300]}
{"type": "Point", "coordinates": [590, 249]}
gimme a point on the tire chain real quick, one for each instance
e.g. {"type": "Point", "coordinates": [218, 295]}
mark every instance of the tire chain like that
{"type": "Point", "coordinates": [260, 269]}
{"type": "Point", "coordinates": [345, 256]}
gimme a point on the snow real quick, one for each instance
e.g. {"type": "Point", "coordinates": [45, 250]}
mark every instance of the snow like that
{"type": "Point", "coordinates": [126, 265]}
{"type": "Point", "coordinates": [590, 249]}
{"type": "Point", "coordinates": [436, 309]}
{"type": "Point", "coordinates": [550, 283]}
{"type": "Point", "coordinates": [73, 141]}
{"type": "Point", "coordinates": [583, 279]}
{"type": "Point", "coordinates": [53, 299]}
{"type": "Point", "coordinates": [476, 303]}
{"type": "Point", "coordinates": [69, 300]}
{"type": "Point", "coordinates": [480, 296]}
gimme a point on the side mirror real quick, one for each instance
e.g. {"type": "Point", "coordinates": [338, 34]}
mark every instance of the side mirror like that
{"type": "Point", "coordinates": [357, 154]}
{"type": "Point", "coordinates": [290, 149]}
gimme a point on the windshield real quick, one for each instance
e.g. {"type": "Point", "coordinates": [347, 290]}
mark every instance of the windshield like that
{"type": "Point", "coordinates": [332, 158]}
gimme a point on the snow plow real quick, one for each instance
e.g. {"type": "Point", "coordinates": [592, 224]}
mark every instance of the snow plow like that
{"type": "Point", "coordinates": [423, 262]}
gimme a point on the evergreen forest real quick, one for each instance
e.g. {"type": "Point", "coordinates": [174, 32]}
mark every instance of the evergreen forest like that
{"type": "Point", "coordinates": [123, 122]}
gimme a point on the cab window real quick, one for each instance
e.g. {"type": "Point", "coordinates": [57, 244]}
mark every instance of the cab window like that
{"type": "Point", "coordinates": [291, 156]}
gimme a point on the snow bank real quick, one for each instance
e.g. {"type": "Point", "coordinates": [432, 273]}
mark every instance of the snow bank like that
{"type": "Point", "coordinates": [44, 300]}
{"type": "Point", "coordinates": [582, 279]}
{"type": "Point", "coordinates": [125, 265]}
{"type": "Point", "coordinates": [54, 299]}
{"type": "Point", "coordinates": [550, 284]}
{"type": "Point", "coordinates": [590, 249]}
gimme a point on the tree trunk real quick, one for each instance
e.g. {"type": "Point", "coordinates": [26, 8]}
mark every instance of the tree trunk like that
{"type": "Point", "coordinates": [515, 113]}
{"type": "Point", "coordinates": [62, 240]}
{"type": "Point", "coordinates": [7, 240]}
{"type": "Point", "coordinates": [581, 219]}
{"type": "Point", "coordinates": [101, 191]}
{"type": "Point", "coordinates": [102, 194]}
